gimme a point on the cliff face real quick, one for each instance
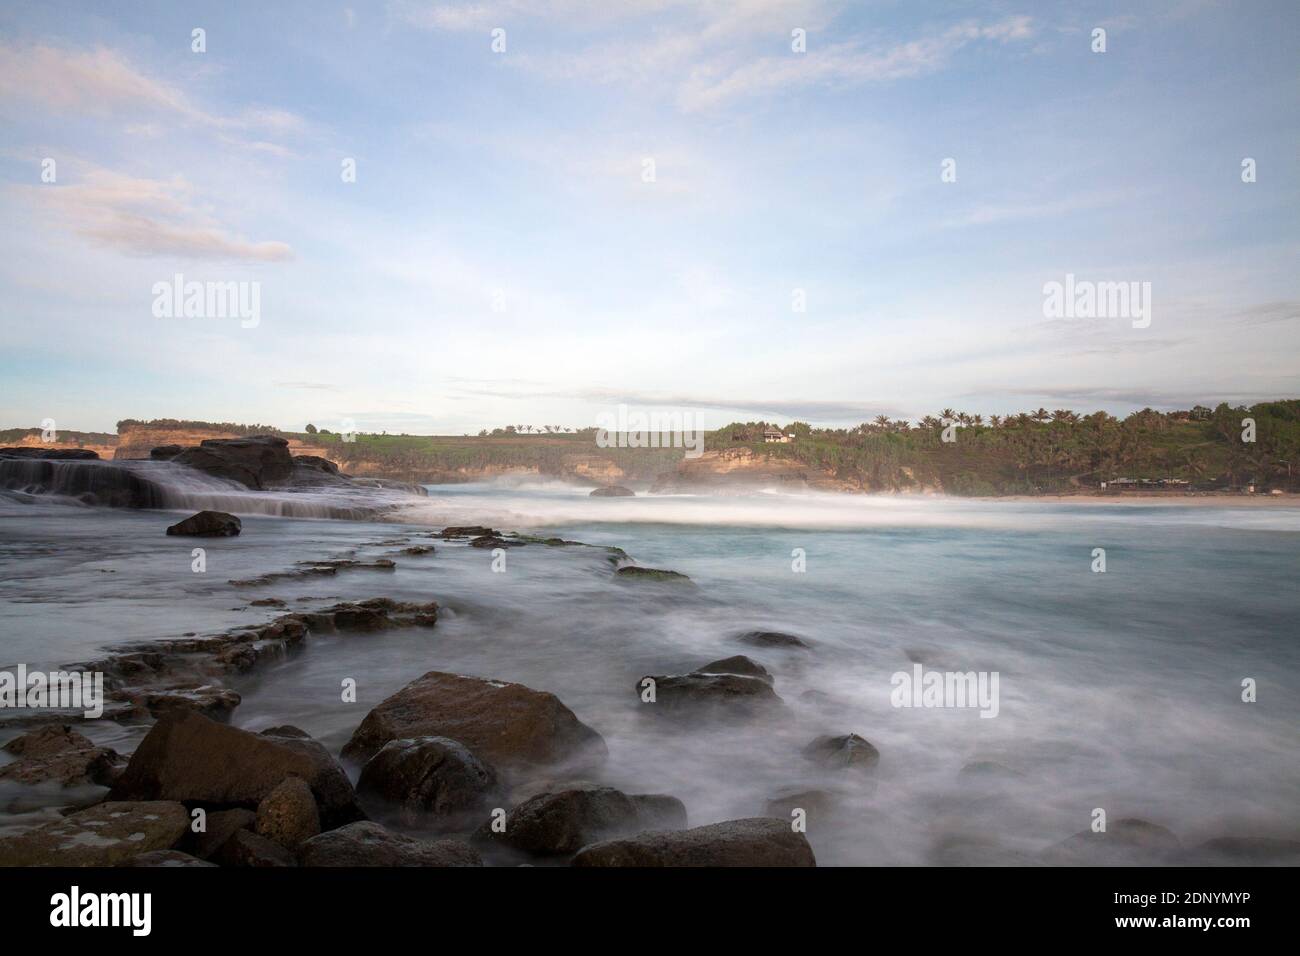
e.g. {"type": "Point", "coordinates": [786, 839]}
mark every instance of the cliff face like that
{"type": "Point", "coordinates": [743, 468]}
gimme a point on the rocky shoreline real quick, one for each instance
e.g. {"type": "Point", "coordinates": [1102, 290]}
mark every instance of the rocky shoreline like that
{"type": "Point", "coordinates": [454, 769]}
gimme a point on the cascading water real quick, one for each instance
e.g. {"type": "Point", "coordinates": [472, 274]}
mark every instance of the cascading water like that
{"type": "Point", "coordinates": [171, 486]}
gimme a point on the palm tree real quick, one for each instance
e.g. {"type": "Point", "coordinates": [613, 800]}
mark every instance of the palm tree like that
{"type": "Point", "coordinates": [881, 421]}
{"type": "Point", "coordinates": [1041, 415]}
{"type": "Point", "coordinates": [947, 415]}
{"type": "Point", "coordinates": [977, 420]}
{"type": "Point", "coordinates": [995, 421]}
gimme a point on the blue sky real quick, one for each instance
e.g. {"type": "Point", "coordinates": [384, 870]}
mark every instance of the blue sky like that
{"type": "Point", "coordinates": [500, 258]}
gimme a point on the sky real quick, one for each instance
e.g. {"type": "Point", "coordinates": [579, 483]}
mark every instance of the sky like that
{"type": "Point", "coordinates": [653, 203]}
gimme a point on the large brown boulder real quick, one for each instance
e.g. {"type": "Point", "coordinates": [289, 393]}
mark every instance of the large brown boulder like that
{"type": "Point", "coordinates": [424, 777]}
{"type": "Point", "coordinates": [369, 844]}
{"type": "Point", "coordinates": [257, 462]}
{"type": "Point", "coordinates": [564, 822]}
{"type": "Point", "coordinates": [756, 841]}
{"type": "Point", "coordinates": [502, 723]}
{"type": "Point", "coordinates": [105, 835]}
{"type": "Point", "coordinates": [186, 756]}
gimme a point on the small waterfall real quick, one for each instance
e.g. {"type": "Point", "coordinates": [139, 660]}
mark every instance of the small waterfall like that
{"type": "Point", "coordinates": [169, 486]}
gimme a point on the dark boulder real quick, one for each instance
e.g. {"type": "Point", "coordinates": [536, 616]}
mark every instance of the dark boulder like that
{"type": "Point", "coordinates": [288, 815]}
{"type": "Point", "coordinates": [723, 695]}
{"type": "Point", "coordinates": [756, 841]}
{"type": "Point", "coordinates": [740, 664]}
{"type": "Point", "coordinates": [772, 639]}
{"type": "Point", "coordinates": [551, 824]}
{"type": "Point", "coordinates": [186, 756]}
{"type": "Point", "coordinates": [421, 777]}
{"type": "Point", "coordinates": [246, 848]}
{"type": "Point", "coordinates": [848, 751]}
{"type": "Point", "coordinates": [613, 491]}
{"type": "Point", "coordinates": [633, 573]}
{"type": "Point", "coordinates": [369, 844]}
{"type": "Point", "coordinates": [207, 524]}
{"type": "Point", "coordinates": [1126, 841]}
{"type": "Point", "coordinates": [503, 723]}
{"type": "Point", "coordinates": [50, 454]}
{"type": "Point", "coordinates": [258, 461]}
{"type": "Point", "coordinates": [165, 452]}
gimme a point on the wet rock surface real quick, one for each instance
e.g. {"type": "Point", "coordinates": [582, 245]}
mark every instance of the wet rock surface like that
{"type": "Point", "coordinates": [419, 778]}
{"type": "Point", "coordinates": [207, 524]}
{"type": "Point", "coordinates": [58, 753]}
{"type": "Point", "coordinates": [613, 491]}
{"type": "Point", "coordinates": [563, 822]}
{"type": "Point", "coordinates": [288, 815]}
{"type": "Point", "coordinates": [370, 844]}
{"type": "Point", "coordinates": [717, 695]}
{"type": "Point", "coordinates": [845, 752]}
{"type": "Point", "coordinates": [502, 723]}
{"type": "Point", "coordinates": [756, 841]}
{"type": "Point", "coordinates": [187, 757]}
{"type": "Point", "coordinates": [104, 835]}
{"type": "Point", "coordinates": [777, 639]}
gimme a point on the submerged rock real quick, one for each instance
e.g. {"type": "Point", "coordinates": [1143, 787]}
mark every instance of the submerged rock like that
{"type": "Point", "coordinates": [772, 639]}
{"type": "Point", "coordinates": [425, 777]}
{"type": "Point", "coordinates": [727, 695]}
{"type": "Point", "coordinates": [186, 756]}
{"type": "Point", "coordinates": [105, 835]}
{"type": "Point", "coordinates": [500, 722]}
{"type": "Point", "coordinates": [369, 844]}
{"type": "Point", "coordinates": [740, 664]}
{"type": "Point", "coordinates": [1249, 851]}
{"type": "Point", "coordinates": [613, 491]}
{"type": "Point", "coordinates": [840, 753]}
{"type": "Point", "coordinates": [1127, 841]}
{"type": "Point", "coordinates": [632, 572]}
{"type": "Point", "coordinates": [207, 524]}
{"type": "Point", "coordinates": [756, 841]}
{"type": "Point", "coordinates": [550, 824]}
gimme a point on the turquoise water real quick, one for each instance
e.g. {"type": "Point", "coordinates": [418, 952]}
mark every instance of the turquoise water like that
{"type": "Point", "coordinates": [1119, 690]}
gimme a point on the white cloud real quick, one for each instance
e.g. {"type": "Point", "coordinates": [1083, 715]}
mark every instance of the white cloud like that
{"type": "Point", "coordinates": [147, 217]}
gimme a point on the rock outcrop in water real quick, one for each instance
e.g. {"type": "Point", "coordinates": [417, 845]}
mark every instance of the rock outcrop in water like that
{"type": "Point", "coordinates": [207, 524]}
{"type": "Point", "coordinates": [258, 462]}
{"type": "Point", "coordinates": [708, 695]}
{"type": "Point", "coordinates": [613, 491]}
{"type": "Point", "coordinates": [506, 724]}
